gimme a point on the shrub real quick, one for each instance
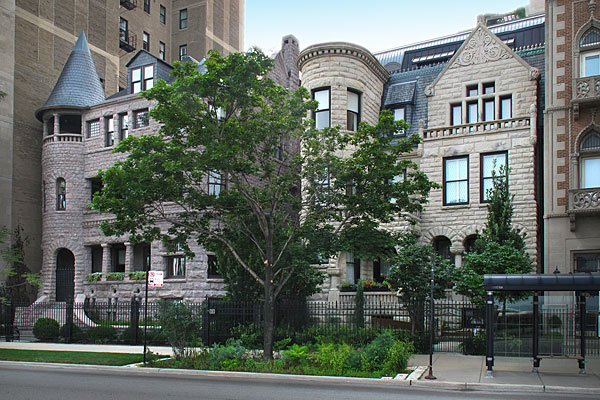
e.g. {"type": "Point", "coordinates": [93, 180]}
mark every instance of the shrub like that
{"type": "Point", "coordinates": [296, 354]}
{"type": "Point", "coordinates": [219, 355]}
{"type": "Point", "coordinates": [180, 325]}
{"type": "Point", "coordinates": [373, 355]}
{"type": "Point", "coordinates": [102, 334]}
{"type": "Point", "coordinates": [46, 329]}
{"type": "Point", "coordinates": [396, 359]}
{"type": "Point", "coordinates": [156, 337]}
{"type": "Point", "coordinates": [125, 336]}
{"type": "Point", "coordinates": [77, 334]}
{"type": "Point", "coordinates": [332, 356]}
{"type": "Point", "coordinates": [474, 345]}
{"type": "Point", "coordinates": [250, 335]}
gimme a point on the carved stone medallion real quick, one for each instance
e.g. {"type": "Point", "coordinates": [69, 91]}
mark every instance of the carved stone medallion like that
{"type": "Point", "coordinates": [480, 49]}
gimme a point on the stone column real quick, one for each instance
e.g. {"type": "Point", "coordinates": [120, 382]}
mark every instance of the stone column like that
{"type": "Point", "coordinates": [106, 267]}
{"type": "Point", "coordinates": [458, 253]}
{"type": "Point", "coordinates": [56, 124]}
{"type": "Point", "coordinates": [129, 250]}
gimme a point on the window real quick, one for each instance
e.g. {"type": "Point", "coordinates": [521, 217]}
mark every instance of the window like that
{"type": "Point", "coordinates": [96, 258]}
{"type": "Point", "coordinates": [213, 267]}
{"type": "Point", "coordinates": [215, 183]}
{"type": "Point", "coordinates": [163, 14]}
{"type": "Point", "coordinates": [488, 110]}
{"type": "Point", "coordinates": [489, 88]}
{"type": "Point", "coordinates": [352, 268]}
{"type": "Point", "coordinates": [176, 262]}
{"type": "Point", "coordinates": [109, 126]}
{"type": "Point", "coordinates": [456, 180]}
{"type": "Point", "coordinates": [93, 128]}
{"type": "Point", "coordinates": [456, 114]}
{"type": "Point", "coordinates": [589, 151]}
{"type": "Point", "coordinates": [381, 269]}
{"type": "Point", "coordinates": [141, 118]}
{"type": "Point", "coordinates": [183, 16]}
{"type": "Point", "coordinates": [146, 41]}
{"type": "Point", "coordinates": [589, 262]}
{"type": "Point", "coordinates": [95, 187]}
{"type": "Point", "coordinates": [147, 6]}
{"type": "Point", "coordinates": [441, 245]}
{"type": "Point", "coordinates": [491, 165]}
{"type": "Point", "coordinates": [50, 127]}
{"type": "Point", "coordinates": [141, 257]}
{"type": "Point", "coordinates": [472, 112]}
{"type": "Point", "coordinates": [505, 107]}
{"type": "Point", "coordinates": [123, 30]}
{"type": "Point", "coordinates": [161, 50]}
{"type": "Point", "coordinates": [61, 194]}
{"type": "Point", "coordinates": [321, 114]}
{"type": "Point", "coordinates": [353, 117]}
{"type": "Point", "coordinates": [398, 179]}
{"type": "Point", "coordinates": [472, 90]}
{"type": "Point", "coordinates": [142, 78]}
{"type": "Point", "coordinates": [117, 255]}
{"type": "Point", "coordinates": [123, 126]}
{"type": "Point", "coordinates": [469, 243]}
{"type": "Point", "coordinates": [400, 115]}
{"type": "Point", "coordinates": [182, 51]}
{"type": "Point", "coordinates": [590, 55]}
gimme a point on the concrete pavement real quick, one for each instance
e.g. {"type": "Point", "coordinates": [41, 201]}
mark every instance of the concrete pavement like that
{"type": "Point", "coordinates": [453, 371]}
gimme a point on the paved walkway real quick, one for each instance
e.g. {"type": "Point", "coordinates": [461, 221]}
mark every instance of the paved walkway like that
{"type": "Point", "coordinates": [453, 371]}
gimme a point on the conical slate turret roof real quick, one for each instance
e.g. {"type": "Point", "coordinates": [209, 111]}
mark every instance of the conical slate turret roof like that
{"type": "Point", "coordinates": [78, 85]}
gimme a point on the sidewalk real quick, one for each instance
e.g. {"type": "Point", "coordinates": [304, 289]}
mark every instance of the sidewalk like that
{"type": "Point", "coordinates": [453, 371]}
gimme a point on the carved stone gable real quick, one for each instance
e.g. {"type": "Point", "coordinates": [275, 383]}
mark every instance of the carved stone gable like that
{"type": "Point", "coordinates": [481, 48]}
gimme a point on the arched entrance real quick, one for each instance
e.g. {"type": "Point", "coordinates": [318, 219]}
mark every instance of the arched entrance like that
{"type": "Point", "coordinates": [65, 275]}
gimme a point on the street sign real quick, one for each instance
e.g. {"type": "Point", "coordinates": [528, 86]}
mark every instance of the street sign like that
{"type": "Point", "coordinates": [155, 278]}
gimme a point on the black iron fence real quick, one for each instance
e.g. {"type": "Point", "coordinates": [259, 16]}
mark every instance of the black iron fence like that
{"type": "Point", "coordinates": [458, 327]}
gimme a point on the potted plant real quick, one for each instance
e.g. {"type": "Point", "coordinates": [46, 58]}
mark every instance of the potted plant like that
{"type": "Point", "coordinates": [93, 277]}
{"type": "Point", "coordinates": [115, 276]}
{"type": "Point", "coordinates": [137, 275]}
{"type": "Point", "coordinates": [348, 287]}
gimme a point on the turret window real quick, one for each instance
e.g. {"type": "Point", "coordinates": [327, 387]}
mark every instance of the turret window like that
{"type": "Point", "coordinates": [61, 194]}
{"type": "Point", "coordinates": [322, 113]}
{"type": "Point", "coordinates": [353, 113]}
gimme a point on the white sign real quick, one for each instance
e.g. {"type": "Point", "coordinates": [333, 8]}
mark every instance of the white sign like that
{"type": "Point", "coordinates": [155, 278]}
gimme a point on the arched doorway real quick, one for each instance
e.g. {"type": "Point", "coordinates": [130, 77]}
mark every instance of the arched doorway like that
{"type": "Point", "coordinates": [65, 275]}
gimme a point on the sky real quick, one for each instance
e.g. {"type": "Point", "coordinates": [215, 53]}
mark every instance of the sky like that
{"type": "Point", "coordinates": [375, 24]}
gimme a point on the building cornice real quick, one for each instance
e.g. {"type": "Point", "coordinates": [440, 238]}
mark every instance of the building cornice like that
{"type": "Point", "coordinates": [344, 49]}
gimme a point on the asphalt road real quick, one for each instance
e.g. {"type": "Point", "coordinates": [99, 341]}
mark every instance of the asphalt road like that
{"type": "Point", "coordinates": [47, 382]}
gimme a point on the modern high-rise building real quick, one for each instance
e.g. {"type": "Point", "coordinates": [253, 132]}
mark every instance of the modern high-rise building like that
{"type": "Point", "coordinates": [38, 37]}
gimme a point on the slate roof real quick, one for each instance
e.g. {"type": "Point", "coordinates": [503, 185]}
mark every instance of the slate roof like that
{"type": "Point", "coordinates": [400, 93]}
{"type": "Point", "coordinates": [78, 85]}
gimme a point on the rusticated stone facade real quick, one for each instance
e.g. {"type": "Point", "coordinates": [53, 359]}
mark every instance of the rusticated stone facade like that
{"type": "Point", "coordinates": [500, 78]}
{"type": "Point", "coordinates": [571, 126]}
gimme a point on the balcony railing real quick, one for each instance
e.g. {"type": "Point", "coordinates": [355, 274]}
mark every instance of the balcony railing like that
{"type": "Point", "coordinates": [63, 137]}
{"type": "Point", "coordinates": [129, 4]}
{"type": "Point", "coordinates": [584, 200]}
{"type": "Point", "coordinates": [127, 40]}
{"type": "Point", "coordinates": [479, 127]}
{"type": "Point", "coordinates": [587, 89]}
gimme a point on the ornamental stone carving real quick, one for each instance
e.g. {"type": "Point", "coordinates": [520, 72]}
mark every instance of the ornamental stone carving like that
{"type": "Point", "coordinates": [481, 48]}
{"type": "Point", "coordinates": [585, 199]}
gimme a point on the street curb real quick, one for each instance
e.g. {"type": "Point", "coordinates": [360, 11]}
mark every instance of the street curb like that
{"type": "Point", "coordinates": [445, 385]}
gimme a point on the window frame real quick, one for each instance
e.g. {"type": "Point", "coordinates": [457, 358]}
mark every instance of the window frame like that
{"type": "Point", "coordinates": [215, 183]}
{"type": "Point", "coordinates": [322, 110]}
{"type": "Point", "coordinates": [147, 6]}
{"type": "Point", "coordinates": [182, 53]}
{"type": "Point", "coordinates": [483, 179]}
{"type": "Point", "coordinates": [582, 65]}
{"type": "Point", "coordinates": [453, 108]}
{"type": "Point", "coordinates": [395, 110]}
{"type": "Point", "coordinates": [145, 82]}
{"type": "Point", "coordinates": [501, 100]}
{"type": "Point", "coordinates": [96, 186]}
{"type": "Point", "coordinates": [146, 41]}
{"type": "Point", "coordinates": [183, 18]}
{"type": "Point", "coordinates": [356, 270]}
{"type": "Point", "coordinates": [445, 181]}
{"type": "Point", "coordinates": [162, 14]}
{"type": "Point", "coordinates": [162, 50]}
{"type": "Point", "coordinates": [94, 128]}
{"type": "Point", "coordinates": [138, 122]}
{"type": "Point", "coordinates": [109, 131]}
{"type": "Point", "coordinates": [61, 194]}
{"type": "Point", "coordinates": [123, 127]}
{"type": "Point", "coordinates": [350, 113]}
{"type": "Point", "coordinates": [211, 267]}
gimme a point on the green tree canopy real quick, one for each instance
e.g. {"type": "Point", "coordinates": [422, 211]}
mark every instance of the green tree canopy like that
{"type": "Point", "coordinates": [283, 188]}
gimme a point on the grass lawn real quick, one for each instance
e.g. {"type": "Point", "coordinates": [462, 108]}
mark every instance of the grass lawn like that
{"type": "Point", "coordinates": [70, 357]}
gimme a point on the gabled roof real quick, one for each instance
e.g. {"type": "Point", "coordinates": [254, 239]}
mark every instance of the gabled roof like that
{"type": "Point", "coordinates": [78, 85]}
{"type": "Point", "coordinates": [480, 47]}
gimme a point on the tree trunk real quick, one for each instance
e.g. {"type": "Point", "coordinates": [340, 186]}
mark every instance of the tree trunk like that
{"type": "Point", "coordinates": [269, 319]}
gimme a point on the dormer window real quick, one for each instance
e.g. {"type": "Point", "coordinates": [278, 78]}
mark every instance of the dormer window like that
{"type": "Point", "coordinates": [142, 78]}
{"type": "Point", "coordinates": [590, 53]}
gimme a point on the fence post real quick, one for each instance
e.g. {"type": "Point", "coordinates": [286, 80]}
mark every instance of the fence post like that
{"type": "Point", "coordinates": [582, 316]}
{"type": "Point", "coordinates": [69, 319]}
{"type": "Point", "coordinates": [536, 332]}
{"type": "Point", "coordinates": [489, 333]}
{"type": "Point", "coordinates": [10, 328]}
{"type": "Point", "coordinates": [134, 320]}
{"type": "Point", "coordinates": [205, 322]}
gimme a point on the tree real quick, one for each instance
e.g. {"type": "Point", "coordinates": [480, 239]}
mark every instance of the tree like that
{"type": "Point", "coordinates": [226, 170]}
{"type": "Point", "coordinates": [411, 274]}
{"type": "Point", "coordinates": [500, 249]}
{"type": "Point", "coordinates": [21, 284]}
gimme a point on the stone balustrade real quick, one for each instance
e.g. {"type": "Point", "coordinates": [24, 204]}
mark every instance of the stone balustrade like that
{"type": "Point", "coordinates": [587, 88]}
{"type": "Point", "coordinates": [479, 127]}
{"type": "Point", "coordinates": [584, 200]}
{"type": "Point", "coordinates": [379, 297]}
{"type": "Point", "coordinates": [63, 137]}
